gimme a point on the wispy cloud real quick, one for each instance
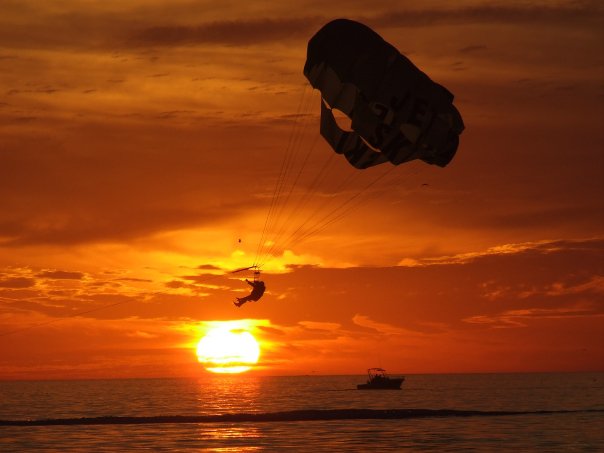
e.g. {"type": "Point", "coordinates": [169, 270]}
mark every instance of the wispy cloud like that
{"type": "Point", "coordinates": [472, 48]}
{"type": "Point", "coordinates": [576, 12]}
{"type": "Point", "coordinates": [541, 247]}
{"type": "Point", "coordinates": [60, 275]}
{"type": "Point", "coordinates": [107, 27]}
{"type": "Point", "coordinates": [259, 30]}
{"type": "Point", "coordinates": [523, 317]}
{"type": "Point", "coordinates": [236, 32]}
{"type": "Point", "coordinates": [383, 328]}
{"type": "Point", "coordinates": [17, 282]}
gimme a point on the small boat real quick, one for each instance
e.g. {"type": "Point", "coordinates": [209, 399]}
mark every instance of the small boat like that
{"type": "Point", "coordinates": [379, 380]}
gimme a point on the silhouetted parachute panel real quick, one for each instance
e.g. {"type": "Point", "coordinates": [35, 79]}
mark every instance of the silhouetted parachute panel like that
{"type": "Point", "coordinates": [397, 113]}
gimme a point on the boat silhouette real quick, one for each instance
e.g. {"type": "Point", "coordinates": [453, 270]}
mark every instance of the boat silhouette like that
{"type": "Point", "coordinates": [377, 379]}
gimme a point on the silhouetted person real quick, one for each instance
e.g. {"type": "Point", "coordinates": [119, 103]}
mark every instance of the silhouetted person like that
{"type": "Point", "coordinates": [258, 289]}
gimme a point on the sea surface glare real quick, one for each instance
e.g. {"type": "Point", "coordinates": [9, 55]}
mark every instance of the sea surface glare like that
{"type": "Point", "coordinates": [544, 412]}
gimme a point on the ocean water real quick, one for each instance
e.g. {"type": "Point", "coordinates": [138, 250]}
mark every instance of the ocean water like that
{"type": "Point", "coordinates": [511, 412]}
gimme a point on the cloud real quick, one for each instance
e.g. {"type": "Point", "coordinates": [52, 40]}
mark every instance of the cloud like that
{"type": "Point", "coordinates": [320, 326]}
{"type": "Point", "coordinates": [536, 216]}
{"type": "Point", "coordinates": [236, 32]}
{"type": "Point", "coordinates": [380, 327]}
{"type": "Point", "coordinates": [577, 12]}
{"type": "Point", "coordinates": [523, 317]}
{"type": "Point", "coordinates": [595, 286]}
{"type": "Point", "coordinates": [61, 275]}
{"type": "Point", "coordinates": [540, 247]}
{"type": "Point", "coordinates": [207, 279]}
{"type": "Point", "coordinates": [472, 48]}
{"type": "Point", "coordinates": [142, 334]}
{"type": "Point", "coordinates": [104, 26]}
{"type": "Point", "coordinates": [42, 89]}
{"type": "Point", "coordinates": [210, 267]}
{"type": "Point", "coordinates": [276, 30]}
{"type": "Point", "coordinates": [272, 330]}
{"type": "Point", "coordinates": [176, 284]}
{"type": "Point", "coordinates": [142, 222]}
{"type": "Point", "coordinates": [17, 282]}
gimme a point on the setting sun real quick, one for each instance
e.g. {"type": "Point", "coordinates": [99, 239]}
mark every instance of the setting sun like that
{"type": "Point", "coordinates": [225, 349]}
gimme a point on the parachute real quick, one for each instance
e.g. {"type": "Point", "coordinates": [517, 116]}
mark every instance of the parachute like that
{"type": "Point", "coordinates": [397, 112]}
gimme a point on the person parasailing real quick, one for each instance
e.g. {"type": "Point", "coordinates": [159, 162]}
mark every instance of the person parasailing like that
{"type": "Point", "coordinates": [258, 288]}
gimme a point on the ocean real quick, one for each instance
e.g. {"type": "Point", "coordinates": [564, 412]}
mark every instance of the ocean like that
{"type": "Point", "coordinates": [549, 412]}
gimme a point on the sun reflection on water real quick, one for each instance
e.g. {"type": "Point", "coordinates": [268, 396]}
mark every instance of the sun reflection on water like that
{"type": "Point", "coordinates": [224, 394]}
{"type": "Point", "coordinates": [228, 393]}
{"type": "Point", "coordinates": [231, 432]}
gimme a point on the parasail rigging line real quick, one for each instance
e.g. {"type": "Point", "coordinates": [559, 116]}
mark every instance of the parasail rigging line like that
{"type": "Point", "coordinates": [309, 193]}
{"type": "Point", "coordinates": [286, 182]}
{"type": "Point", "coordinates": [354, 201]}
{"type": "Point", "coordinates": [301, 203]}
{"type": "Point", "coordinates": [300, 235]}
{"type": "Point", "coordinates": [281, 177]}
{"type": "Point", "coordinates": [278, 224]}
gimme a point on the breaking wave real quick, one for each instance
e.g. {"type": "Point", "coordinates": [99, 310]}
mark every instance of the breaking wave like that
{"type": "Point", "coordinates": [287, 416]}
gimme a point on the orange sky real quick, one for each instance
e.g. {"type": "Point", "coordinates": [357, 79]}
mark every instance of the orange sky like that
{"type": "Point", "coordinates": [139, 141]}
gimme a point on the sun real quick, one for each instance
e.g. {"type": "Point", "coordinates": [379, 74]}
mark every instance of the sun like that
{"type": "Point", "coordinates": [225, 349]}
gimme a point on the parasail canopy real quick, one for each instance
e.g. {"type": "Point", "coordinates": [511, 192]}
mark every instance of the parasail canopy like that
{"type": "Point", "coordinates": [397, 112]}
